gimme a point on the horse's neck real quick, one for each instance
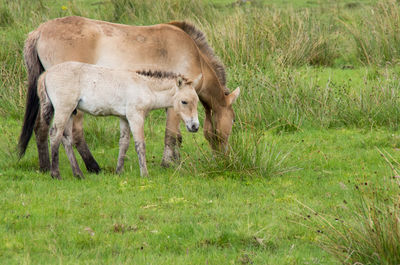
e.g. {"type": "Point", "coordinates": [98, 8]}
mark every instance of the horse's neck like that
{"type": "Point", "coordinates": [211, 92]}
{"type": "Point", "coordinates": [163, 94]}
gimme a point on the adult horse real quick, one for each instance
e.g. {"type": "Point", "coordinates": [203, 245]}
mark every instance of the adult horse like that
{"type": "Point", "coordinates": [177, 46]}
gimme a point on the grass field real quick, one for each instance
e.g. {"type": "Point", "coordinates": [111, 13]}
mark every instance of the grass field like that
{"type": "Point", "coordinates": [184, 218]}
{"type": "Point", "coordinates": [314, 149]}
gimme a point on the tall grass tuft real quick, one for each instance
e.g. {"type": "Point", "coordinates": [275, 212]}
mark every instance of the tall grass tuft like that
{"type": "Point", "coordinates": [257, 36]}
{"type": "Point", "coordinates": [289, 99]}
{"type": "Point", "coordinates": [376, 33]}
{"type": "Point", "coordinates": [154, 12]}
{"type": "Point", "coordinates": [370, 231]}
{"type": "Point", "coordinates": [249, 154]}
{"type": "Point", "coordinates": [6, 18]}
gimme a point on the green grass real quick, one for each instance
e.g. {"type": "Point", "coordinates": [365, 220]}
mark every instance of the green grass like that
{"type": "Point", "coordinates": [181, 218]}
{"type": "Point", "coordinates": [319, 98]}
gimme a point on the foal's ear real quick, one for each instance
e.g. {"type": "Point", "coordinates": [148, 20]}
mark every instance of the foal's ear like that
{"type": "Point", "coordinates": [179, 82]}
{"type": "Point", "coordinates": [233, 96]}
{"type": "Point", "coordinates": [197, 81]}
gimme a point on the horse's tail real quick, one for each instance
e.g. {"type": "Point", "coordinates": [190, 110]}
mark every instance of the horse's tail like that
{"type": "Point", "coordinates": [34, 68]}
{"type": "Point", "coordinates": [46, 107]}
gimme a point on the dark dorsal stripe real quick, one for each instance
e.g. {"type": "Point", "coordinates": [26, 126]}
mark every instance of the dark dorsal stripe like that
{"type": "Point", "coordinates": [162, 75]}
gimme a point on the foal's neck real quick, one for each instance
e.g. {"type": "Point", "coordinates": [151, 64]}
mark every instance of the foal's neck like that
{"type": "Point", "coordinates": [164, 92]}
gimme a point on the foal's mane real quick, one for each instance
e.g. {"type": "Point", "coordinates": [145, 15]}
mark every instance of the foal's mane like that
{"type": "Point", "coordinates": [200, 39]}
{"type": "Point", "coordinates": [163, 75]}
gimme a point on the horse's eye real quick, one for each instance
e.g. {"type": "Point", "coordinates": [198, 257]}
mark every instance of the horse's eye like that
{"type": "Point", "coordinates": [184, 102]}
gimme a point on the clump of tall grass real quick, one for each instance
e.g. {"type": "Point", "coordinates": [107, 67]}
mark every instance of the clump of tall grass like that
{"type": "Point", "coordinates": [376, 33]}
{"type": "Point", "coordinates": [153, 11]}
{"type": "Point", "coordinates": [249, 154]}
{"type": "Point", "coordinates": [255, 36]}
{"type": "Point", "coordinates": [12, 73]}
{"type": "Point", "coordinates": [289, 99]}
{"type": "Point", "coordinates": [6, 18]}
{"type": "Point", "coordinates": [12, 99]}
{"type": "Point", "coordinates": [370, 231]}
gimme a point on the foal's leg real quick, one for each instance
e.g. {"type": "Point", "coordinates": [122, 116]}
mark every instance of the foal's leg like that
{"type": "Point", "coordinates": [56, 135]}
{"type": "Point", "coordinates": [173, 138]}
{"type": "Point", "coordinates": [81, 145]}
{"type": "Point", "coordinates": [42, 132]}
{"type": "Point", "coordinates": [67, 142]}
{"type": "Point", "coordinates": [124, 137]}
{"type": "Point", "coordinates": [136, 123]}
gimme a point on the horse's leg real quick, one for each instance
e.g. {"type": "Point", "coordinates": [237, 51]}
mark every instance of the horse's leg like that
{"type": "Point", "coordinates": [41, 132]}
{"type": "Point", "coordinates": [172, 140]}
{"type": "Point", "coordinates": [124, 137]}
{"type": "Point", "coordinates": [56, 135]}
{"type": "Point", "coordinates": [67, 142]}
{"type": "Point", "coordinates": [208, 129]}
{"type": "Point", "coordinates": [136, 123]}
{"type": "Point", "coordinates": [81, 145]}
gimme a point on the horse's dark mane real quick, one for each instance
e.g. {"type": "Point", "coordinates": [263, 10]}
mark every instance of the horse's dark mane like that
{"type": "Point", "coordinates": [162, 74]}
{"type": "Point", "coordinates": [200, 39]}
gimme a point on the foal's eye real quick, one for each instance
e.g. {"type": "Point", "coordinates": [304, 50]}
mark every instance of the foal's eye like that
{"type": "Point", "coordinates": [184, 102]}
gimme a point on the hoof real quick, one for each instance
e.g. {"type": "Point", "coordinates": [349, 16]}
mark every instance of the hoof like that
{"type": "Point", "coordinates": [56, 176]}
{"type": "Point", "coordinates": [79, 176]}
{"type": "Point", "coordinates": [176, 156]}
{"type": "Point", "coordinates": [93, 168]}
{"type": "Point", "coordinates": [44, 168]}
{"type": "Point", "coordinates": [166, 163]}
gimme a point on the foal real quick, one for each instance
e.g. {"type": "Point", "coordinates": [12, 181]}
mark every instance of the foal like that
{"type": "Point", "coordinates": [101, 91]}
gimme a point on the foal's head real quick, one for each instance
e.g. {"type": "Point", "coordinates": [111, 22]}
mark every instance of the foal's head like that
{"type": "Point", "coordinates": [185, 102]}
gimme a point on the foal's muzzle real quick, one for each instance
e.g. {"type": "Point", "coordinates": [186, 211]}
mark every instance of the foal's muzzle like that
{"type": "Point", "coordinates": [192, 126]}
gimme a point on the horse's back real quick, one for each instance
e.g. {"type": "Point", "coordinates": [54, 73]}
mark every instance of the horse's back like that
{"type": "Point", "coordinates": [162, 46]}
{"type": "Point", "coordinates": [67, 39]}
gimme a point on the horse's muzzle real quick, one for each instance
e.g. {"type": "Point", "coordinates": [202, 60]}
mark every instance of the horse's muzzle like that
{"type": "Point", "coordinates": [193, 126]}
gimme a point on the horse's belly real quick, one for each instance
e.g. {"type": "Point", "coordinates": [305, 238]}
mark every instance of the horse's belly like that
{"type": "Point", "coordinates": [100, 109]}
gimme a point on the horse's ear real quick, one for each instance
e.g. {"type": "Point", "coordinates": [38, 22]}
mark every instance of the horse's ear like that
{"type": "Point", "coordinates": [233, 96]}
{"type": "Point", "coordinates": [197, 81]}
{"type": "Point", "coordinates": [179, 82]}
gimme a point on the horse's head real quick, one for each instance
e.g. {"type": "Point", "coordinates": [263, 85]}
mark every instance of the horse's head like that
{"type": "Point", "coordinates": [185, 102]}
{"type": "Point", "coordinates": [218, 123]}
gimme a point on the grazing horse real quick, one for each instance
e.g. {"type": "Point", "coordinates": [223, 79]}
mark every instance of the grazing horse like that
{"type": "Point", "coordinates": [177, 46]}
{"type": "Point", "coordinates": [100, 91]}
